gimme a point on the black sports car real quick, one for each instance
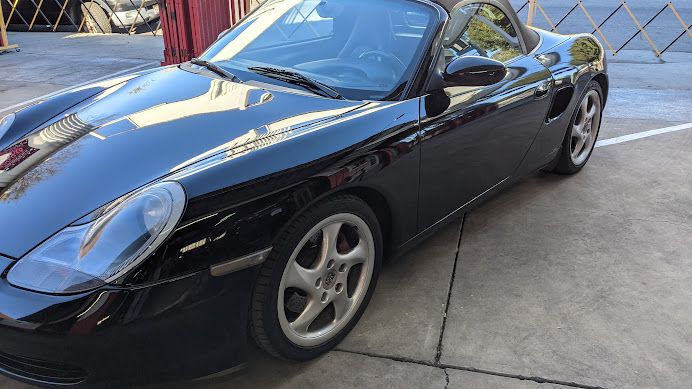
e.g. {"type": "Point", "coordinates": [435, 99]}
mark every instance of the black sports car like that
{"type": "Point", "coordinates": [152, 224]}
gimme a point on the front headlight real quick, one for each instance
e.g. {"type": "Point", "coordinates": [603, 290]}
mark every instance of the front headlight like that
{"type": "Point", "coordinates": [6, 123]}
{"type": "Point", "coordinates": [84, 257]}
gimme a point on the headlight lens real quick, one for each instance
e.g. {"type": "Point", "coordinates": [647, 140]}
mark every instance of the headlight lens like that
{"type": "Point", "coordinates": [84, 257]}
{"type": "Point", "coordinates": [6, 123]}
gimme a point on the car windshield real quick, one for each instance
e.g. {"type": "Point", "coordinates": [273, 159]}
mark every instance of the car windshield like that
{"type": "Point", "coordinates": [362, 49]}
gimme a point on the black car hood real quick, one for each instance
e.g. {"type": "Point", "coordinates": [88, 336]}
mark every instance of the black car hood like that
{"type": "Point", "coordinates": [129, 135]}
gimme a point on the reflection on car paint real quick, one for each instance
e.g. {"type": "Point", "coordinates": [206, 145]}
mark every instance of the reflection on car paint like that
{"type": "Point", "coordinates": [250, 159]}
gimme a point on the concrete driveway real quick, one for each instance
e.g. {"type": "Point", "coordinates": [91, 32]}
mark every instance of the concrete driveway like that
{"type": "Point", "coordinates": [583, 281]}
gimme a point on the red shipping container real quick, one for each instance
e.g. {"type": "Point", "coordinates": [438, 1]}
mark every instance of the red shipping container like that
{"type": "Point", "coordinates": [190, 26]}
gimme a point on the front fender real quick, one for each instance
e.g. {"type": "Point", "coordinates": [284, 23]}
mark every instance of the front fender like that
{"type": "Point", "coordinates": [240, 203]}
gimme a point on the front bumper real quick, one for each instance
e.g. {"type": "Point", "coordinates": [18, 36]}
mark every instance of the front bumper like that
{"type": "Point", "coordinates": [177, 330]}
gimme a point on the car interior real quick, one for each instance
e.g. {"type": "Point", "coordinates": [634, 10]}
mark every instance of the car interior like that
{"type": "Point", "coordinates": [369, 47]}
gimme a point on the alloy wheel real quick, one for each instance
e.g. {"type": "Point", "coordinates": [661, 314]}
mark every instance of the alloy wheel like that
{"type": "Point", "coordinates": [585, 127]}
{"type": "Point", "coordinates": [326, 279]}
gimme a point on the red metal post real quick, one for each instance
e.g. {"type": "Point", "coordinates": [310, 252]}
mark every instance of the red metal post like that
{"type": "Point", "coordinates": [190, 26]}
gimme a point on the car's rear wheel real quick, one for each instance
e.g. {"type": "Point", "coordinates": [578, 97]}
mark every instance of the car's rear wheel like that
{"type": "Point", "coordinates": [582, 133]}
{"type": "Point", "coordinates": [318, 279]}
{"type": "Point", "coordinates": [96, 19]}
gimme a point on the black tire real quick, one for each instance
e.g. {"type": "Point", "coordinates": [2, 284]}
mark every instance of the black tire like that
{"type": "Point", "coordinates": [96, 19]}
{"type": "Point", "coordinates": [264, 316]}
{"type": "Point", "coordinates": [563, 163]}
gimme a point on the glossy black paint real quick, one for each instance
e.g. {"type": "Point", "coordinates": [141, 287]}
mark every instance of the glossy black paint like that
{"type": "Point", "coordinates": [116, 138]}
{"type": "Point", "coordinates": [250, 160]}
{"type": "Point", "coordinates": [474, 71]}
{"type": "Point", "coordinates": [476, 137]}
{"type": "Point", "coordinates": [128, 335]}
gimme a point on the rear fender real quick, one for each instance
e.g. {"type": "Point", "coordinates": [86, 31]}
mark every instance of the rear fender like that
{"type": "Point", "coordinates": [574, 63]}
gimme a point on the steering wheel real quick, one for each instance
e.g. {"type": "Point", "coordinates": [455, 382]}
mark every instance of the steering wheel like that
{"type": "Point", "coordinates": [393, 59]}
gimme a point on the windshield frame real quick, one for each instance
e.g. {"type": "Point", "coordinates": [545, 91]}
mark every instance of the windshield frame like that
{"type": "Point", "coordinates": [412, 73]}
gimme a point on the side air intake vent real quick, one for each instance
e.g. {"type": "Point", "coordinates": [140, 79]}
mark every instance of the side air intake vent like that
{"type": "Point", "coordinates": [560, 102]}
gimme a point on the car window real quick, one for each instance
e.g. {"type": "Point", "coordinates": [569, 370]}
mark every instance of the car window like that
{"type": "Point", "coordinates": [364, 49]}
{"type": "Point", "coordinates": [300, 23]}
{"type": "Point", "coordinates": [482, 30]}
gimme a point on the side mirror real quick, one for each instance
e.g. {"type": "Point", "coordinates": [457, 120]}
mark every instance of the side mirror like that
{"type": "Point", "coordinates": [474, 71]}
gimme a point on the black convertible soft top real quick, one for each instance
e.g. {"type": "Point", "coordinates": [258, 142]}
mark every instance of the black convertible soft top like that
{"type": "Point", "coordinates": [529, 37]}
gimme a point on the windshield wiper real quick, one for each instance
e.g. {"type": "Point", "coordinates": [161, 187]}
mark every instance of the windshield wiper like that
{"type": "Point", "coordinates": [216, 69]}
{"type": "Point", "coordinates": [296, 78]}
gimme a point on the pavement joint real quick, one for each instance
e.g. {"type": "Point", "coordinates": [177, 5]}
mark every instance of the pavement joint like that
{"type": "Point", "coordinates": [438, 354]}
{"type": "Point", "coordinates": [536, 379]}
{"type": "Point", "coordinates": [445, 366]}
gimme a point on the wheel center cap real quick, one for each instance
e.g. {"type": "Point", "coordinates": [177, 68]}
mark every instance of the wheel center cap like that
{"type": "Point", "coordinates": [329, 279]}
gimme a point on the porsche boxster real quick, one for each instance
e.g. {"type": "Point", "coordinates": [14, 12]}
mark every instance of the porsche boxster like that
{"type": "Point", "coordinates": [154, 224]}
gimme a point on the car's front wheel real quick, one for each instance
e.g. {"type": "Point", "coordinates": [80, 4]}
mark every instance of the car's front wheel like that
{"type": "Point", "coordinates": [318, 279]}
{"type": "Point", "coordinates": [582, 132]}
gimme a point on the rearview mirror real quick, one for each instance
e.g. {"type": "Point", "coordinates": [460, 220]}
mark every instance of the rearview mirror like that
{"type": "Point", "coordinates": [475, 71]}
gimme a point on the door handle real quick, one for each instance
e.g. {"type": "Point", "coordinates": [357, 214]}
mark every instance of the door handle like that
{"type": "Point", "coordinates": [543, 89]}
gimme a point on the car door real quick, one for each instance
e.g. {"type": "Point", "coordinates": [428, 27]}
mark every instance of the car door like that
{"type": "Point", "coordinates": [474, 138]}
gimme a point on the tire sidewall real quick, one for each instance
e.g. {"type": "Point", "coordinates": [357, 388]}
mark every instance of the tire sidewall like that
{"type": "Point", "coordinates": [280, 256]}
{"type": "Point", "coordinates": [565, 164]}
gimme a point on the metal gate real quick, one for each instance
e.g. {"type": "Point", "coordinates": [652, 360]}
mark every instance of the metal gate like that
{"type": "Point", "coordinates": [133, 16]}
{"type": "Point", "coordinates": [95, 16]}
{"type": "Point", "coordinates": [4, 42]}
{"type": "Point", "coordinates": [534, 9]}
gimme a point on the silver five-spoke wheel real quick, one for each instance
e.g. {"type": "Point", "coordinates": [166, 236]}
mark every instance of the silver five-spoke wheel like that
{"type": "Point", "coordinates": [326, 279]}
{"type": "Point", "coordinates": [581, 132]}
{"type": "Point", "coordinates": [318, 278]}
{"type": "Point", "coordinates": [585, 127]}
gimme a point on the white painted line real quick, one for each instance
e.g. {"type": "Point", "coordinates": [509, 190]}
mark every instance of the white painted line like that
{"type": "Point", "coordinates": [640, 135]}
{"type": "Point", "coordinates": [49, 95]}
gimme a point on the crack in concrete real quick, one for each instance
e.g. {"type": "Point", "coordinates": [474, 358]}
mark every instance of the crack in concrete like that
{"type": "Point", "coordinates": [438, 354]}
{"type": "Point", "coordinates": [536, 379]}
{"type": "Point", "coordinates": [445, 366]}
